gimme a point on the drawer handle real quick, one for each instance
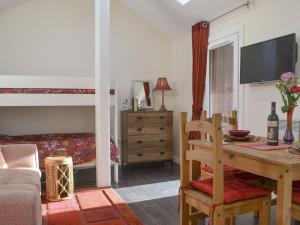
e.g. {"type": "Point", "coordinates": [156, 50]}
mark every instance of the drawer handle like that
{"type": "Point", "coordinates": [162, 128]}
{"type": "Point", "coordinates": [162, 140]}
{"type": "Point", "coordinates": [162, 117]}
{"type": "Point", "coordinates": [139, 155]}
{"type": "Point", "coordinates": [162, 153]}
{"type": "Point", "coordinates": [139, 129]}
{"type": "Point", "coordinates": [139, 142]}
{"type": "Point", "coordinates": [139, 117]}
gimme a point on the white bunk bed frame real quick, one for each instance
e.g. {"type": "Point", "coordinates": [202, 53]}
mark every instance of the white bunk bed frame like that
{"type": "Point", "coordinates": [13, 81]}
{"type": "Point", "coordinates": [24, 81]}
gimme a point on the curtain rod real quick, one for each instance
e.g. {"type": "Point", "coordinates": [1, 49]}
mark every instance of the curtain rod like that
{"type": "Point", "coordinates": [247, 4]}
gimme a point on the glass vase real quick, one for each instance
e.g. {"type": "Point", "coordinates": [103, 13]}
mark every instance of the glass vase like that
{"type": "Point", "coordinates": [289, 137]}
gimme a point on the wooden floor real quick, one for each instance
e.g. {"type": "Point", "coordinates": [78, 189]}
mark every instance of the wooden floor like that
{"type": "Point", "coordinates": [151, 191]}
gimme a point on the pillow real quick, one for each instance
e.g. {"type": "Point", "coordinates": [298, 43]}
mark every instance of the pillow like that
{"type": "Point", "coordinates": [3, 164]}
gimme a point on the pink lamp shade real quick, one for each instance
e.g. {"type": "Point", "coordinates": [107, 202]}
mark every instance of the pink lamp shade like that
{"type": "Point", "coordinates": [162, 85]}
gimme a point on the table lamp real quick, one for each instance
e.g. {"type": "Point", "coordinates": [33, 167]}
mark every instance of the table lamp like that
{"type": "Point", "coordinates": [162, 85]}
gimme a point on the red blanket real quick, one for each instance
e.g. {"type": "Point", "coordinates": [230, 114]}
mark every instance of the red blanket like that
{"type": "Point", "coordinates": [81, 146]}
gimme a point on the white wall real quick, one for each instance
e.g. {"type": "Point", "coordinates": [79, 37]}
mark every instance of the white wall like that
{"type": "Point", "coordinates": [43, 120]}
{"type": "Point", "coordinates": [138, 52]}
{"type": "Point", "coordinates": [48, 37]}
{"type": "Point", "coordinates": [265, 20]}
{"type": "Point", "coordinates": [181, 71]}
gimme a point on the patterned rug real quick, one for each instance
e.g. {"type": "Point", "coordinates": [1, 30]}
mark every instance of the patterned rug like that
{"type": "Point", "coordinates": [90, 207]}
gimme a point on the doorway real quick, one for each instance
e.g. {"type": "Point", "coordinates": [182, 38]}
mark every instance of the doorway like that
{"type": "Point", "coordinates": [221, 79]}
{"type": "Point", "coordinates": [224, 92]}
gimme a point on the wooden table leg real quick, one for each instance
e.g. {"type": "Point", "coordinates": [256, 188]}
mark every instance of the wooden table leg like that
{"type": "Point", "coordinates": [284, 198]}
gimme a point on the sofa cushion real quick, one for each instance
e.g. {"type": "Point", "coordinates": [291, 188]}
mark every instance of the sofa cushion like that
{"type": "Point", "coordinates": [20, 156]}
{"type": "Point", "coordinates": [18, 176]}
{"type": "Point", "coordinates": [19, 188]}
{"type": "Point", "coordinates": [20, 207]}
{"type": "Point", "coordinates": [3, 164]}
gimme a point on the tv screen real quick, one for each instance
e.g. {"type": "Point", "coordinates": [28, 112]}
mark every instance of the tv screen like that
{"type": "Point", "coordinates": [267, 60]}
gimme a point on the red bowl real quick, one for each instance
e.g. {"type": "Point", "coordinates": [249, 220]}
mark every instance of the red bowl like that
{"type": "Point", "coordinates": [239, 133]}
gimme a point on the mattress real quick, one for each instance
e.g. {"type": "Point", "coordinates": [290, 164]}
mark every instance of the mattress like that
{"type": "Point", "coordinates": [80, 146]}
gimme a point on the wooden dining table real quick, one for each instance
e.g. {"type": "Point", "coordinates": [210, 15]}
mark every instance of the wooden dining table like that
{"type": "Point", "coordinates": [278, 165]}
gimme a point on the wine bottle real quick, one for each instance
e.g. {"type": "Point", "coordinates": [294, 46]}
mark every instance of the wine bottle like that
{"type": "Point", "coordinates": [273, 126]}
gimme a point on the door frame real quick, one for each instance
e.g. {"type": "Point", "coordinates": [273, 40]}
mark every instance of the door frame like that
{"type": "Point", "coordinates": [235, 37]}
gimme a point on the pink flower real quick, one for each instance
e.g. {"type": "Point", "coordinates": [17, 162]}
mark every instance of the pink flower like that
{"type": "Point", "coordinates": [295, 89]}
{"type": "Point", "coordinates": [286, 76]}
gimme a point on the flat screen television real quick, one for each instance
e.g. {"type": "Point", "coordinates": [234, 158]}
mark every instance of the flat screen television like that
{"type": "Point", "coordinates": [266, 61]}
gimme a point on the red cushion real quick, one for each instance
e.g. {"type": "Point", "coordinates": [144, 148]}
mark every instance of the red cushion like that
{"type": "Point", "coordinates": [296, 184]}
{"type": "Point", "coordinates": [296, 197]}
{"type": "Point", "coordinates": [234, 189]}
{"type": "Point", "coordinates": [242, 175]}
{"type": "Point", "coordinates": [296, 192]}
{"type": "Point", "coordinates": [227, 169]}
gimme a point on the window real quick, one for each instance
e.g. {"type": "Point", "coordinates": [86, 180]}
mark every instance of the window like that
{"type": "Point", "coordinates": [222, 79]}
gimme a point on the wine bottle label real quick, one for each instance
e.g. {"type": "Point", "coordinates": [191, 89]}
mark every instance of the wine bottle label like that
{"type": "Point", "coordinates": [272, 141]}
{"type": "Point", "coordinates": [272, 123]}
{"type": "Point", "coordinates": [273, 133]}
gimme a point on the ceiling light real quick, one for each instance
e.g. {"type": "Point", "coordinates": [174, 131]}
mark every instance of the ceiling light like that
{"type": "Point", "coordinates": [183, 2]}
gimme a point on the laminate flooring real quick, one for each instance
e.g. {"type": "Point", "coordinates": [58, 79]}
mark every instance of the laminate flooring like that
{"type": "Point", "coordinates": [151, 191]}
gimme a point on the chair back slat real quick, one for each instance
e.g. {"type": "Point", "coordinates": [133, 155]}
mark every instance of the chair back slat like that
{"type": "Point", "coordinates": [231, 120]}
{"type": "Point", "coordinates": [199, 125]}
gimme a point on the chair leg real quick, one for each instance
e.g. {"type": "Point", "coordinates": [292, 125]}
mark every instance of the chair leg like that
{"type": "Point", "coordinates": [265, 212]}
{"type": "Point", "coordinates": [193, 219]}
{"type": "Point", "coordinates": [230, 221]}
{"type": "Point", "coordinates": [218, 216]}
{"type": "Point", "coordinates": [184, 211]}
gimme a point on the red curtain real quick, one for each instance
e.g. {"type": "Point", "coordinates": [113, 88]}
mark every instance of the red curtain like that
{"type": "Point", "coordinates": [200, 32]}
{"type": "Point", "coordinates": [147, 93]}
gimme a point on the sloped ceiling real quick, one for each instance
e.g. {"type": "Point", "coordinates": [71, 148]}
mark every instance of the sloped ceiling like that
{"type": "Point", "coordinates": [8, 4]}
{"type": "Point", "coordinates": [168, 16]}
{"type": "Point", "coordinates": [172, 18]}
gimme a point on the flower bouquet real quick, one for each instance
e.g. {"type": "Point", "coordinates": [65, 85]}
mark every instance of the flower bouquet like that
{"type": "Point", "coordinates": [290, 91]}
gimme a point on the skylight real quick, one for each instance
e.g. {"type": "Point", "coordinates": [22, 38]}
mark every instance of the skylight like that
{"type": "Point", "coordinates": [183, 2]}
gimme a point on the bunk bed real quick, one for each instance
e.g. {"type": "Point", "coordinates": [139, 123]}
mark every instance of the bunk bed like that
{"type": "Point", "coordinates": [60, 91]}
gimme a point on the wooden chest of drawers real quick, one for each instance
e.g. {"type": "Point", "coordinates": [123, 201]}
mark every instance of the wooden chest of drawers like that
{"type": "Point", "coordinates": [147, 136]}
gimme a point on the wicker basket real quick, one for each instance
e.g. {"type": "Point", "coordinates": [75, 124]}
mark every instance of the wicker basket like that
{"type": "Point", "coordinates": [59, 178]}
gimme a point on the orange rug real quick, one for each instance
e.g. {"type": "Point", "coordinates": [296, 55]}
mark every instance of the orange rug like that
{"type": "Point", "coordinates": [90, 207]}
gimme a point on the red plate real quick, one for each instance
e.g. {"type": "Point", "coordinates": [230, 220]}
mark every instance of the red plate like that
{"type": "Point", "coordinates": [239, 133]}
{"type": "Point", "coordinates": [228, 137]}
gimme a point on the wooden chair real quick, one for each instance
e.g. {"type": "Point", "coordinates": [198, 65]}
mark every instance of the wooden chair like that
{"type": "Point", "coordinates": [232, 120]}
{"type": "Point", "coordinates": [206, 172]}
{"type": "Point", "coordinates": [296, 201]}
{"type": "Point", "coordinates": [199, 199]}
{"type": "Point", "coordinates": [296, 193]}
